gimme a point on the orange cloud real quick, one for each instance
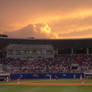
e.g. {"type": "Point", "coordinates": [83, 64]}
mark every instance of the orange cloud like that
{"type": "Point", "coordinates": [61, 16]}
{"type": "Point", "coordinates": [58, 18]}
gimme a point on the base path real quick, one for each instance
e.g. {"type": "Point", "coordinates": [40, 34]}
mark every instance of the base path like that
{"type": "Point", "coordinates": [48, 84]}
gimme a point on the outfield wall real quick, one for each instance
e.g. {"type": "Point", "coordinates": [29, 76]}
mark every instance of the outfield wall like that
{"type": "Point", "coordinates": [46, 76]}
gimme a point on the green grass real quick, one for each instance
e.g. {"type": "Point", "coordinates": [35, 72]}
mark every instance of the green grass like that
{"type": "Point", "coordinates": [45, 89]}
{"type": "Point", "coordinates": [21, 88]}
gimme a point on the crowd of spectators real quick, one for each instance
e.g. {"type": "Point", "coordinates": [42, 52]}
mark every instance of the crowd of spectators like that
{"type": "Point", "coordinates": [58, 64]}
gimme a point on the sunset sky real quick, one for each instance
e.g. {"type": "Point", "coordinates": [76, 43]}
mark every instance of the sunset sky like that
{"type": "Point", "coordinates": [58, 19]}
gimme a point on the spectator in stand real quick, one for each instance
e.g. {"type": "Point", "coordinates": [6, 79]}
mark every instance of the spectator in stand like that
{"type": "Point", "coordinates": [61, 63]}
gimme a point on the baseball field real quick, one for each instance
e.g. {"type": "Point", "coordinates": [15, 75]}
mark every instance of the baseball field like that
{"type": "Point", "coordinates": [60, 85]}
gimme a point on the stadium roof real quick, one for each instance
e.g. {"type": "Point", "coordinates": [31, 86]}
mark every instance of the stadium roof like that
{"type": "Point", "coordinates": [57, 43]}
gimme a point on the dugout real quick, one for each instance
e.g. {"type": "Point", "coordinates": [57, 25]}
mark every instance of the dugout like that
{"type": "Point", "coordinates": [88, 75]}
{"type": "Point", "coordinates": [3, 76]}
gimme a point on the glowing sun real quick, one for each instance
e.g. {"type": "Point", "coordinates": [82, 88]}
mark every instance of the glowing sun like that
{"type": "Point", "coordinates": [45, 28]}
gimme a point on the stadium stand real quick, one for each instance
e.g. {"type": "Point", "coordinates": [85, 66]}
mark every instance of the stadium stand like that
{"type": "Point", "coordinates": [45, 56]}
{"type": "Point", "coordinates": [60, 64]}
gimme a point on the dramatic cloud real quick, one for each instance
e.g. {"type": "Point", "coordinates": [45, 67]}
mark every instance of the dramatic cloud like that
{"type": "Point", "coordinates": [46, 18]}
{"type": "Point", "coordinates": [33, 31]}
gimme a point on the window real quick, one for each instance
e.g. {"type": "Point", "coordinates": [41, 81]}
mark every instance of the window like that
{"type": "Point", "coordinates": [65, 51]}
{"type": "Point", "coordinates": [79, 50]}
